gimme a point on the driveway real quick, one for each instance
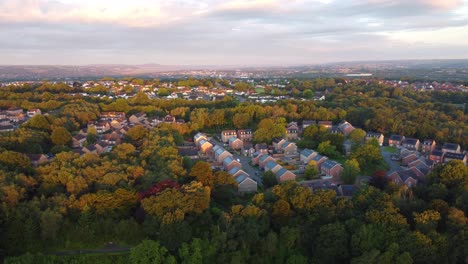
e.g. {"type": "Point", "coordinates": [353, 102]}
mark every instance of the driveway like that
{"type": "Point", "coordinates": [394, 165]}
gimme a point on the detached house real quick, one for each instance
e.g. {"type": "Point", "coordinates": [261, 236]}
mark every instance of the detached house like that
{"type": "Point", "coordinates": [245, 183]}
{"type": "Point", "coordinates": [345, 127]}
{"type": "Point", "coordinates": [289, 148]}
{"type": "Point", "coordinates": [451, 147]}
{"type": "Point", "coordinates": [198, 137]}
{"type": "Point", "coordinates": [263, 159]}
{"type": "Point", "coordinates": [319, 159]}
{"type": "Point", "coordinates": [78, 140]}
{"type": "Point", "coordinates": [327, 124]}
{"type": "Point", "coordinates": [235, 143]}
{"type": "Point", "coordinates": [292, 131]}
{"type": "Point", "coordinates": [285, 175]}
{"type": "Point", "coordinates": [137, 118]}
{"type": "Point", "coordinates": [229, 162]}
{"type": "Point", "coordinates": [307, 155]}
{"type": "Point", "coordinates": [272, 166]}
{"type": "Point", "coordinates": [395, 140]}
{"type": "Point", "coordinates": [455, 156]}
{"type": "Point", "coordinates": [331, 168]}
{"type": "Point", "coordinates": [410, 143]}
{"type": "Point", "coordinates": [33, 112]}
{"type": "Point", "coordinates": [378, 136]}
{"type": "Point", "coordinates": [227, 134]}
{"type": "Point", "coordinates": [436, 156]}
{"type": "Point", "coordinates": [428, 146]}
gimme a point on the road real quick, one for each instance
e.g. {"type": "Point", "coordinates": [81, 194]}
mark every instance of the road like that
{"type": "Point", "coordinates": [249, 169]}
{"type": "Point", "coordinates": [245, 163]}
{"type": "Point", "coordinates": [394, 165]}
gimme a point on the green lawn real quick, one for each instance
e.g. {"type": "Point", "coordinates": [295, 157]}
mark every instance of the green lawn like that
{"type": "Point", "coordinates": [390, 149]}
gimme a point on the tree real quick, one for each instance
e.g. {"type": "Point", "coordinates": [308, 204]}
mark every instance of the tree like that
{"type": "Point", "coordinates": [357, 136]}
{"type": "Point", "coordinates": [454, 174]}
{"type": "Point", "coordinates": [310, 172]}
{"type": "Point", "coordinates": [50, 224]}
{"type": "Point", "coordinates": [350, 171]}
{"type": "Point", "coordinates": [426, 220]}
{"type": "Point", "coordinates": [269, 179]}
{"type": "Point", "coordinates": [38, 122]}
{"type": "Point", "coordinates": [367, 155]}
{"type": "Point", "coordinates": [136, 133]}
{"type": "Point", "coordinates": [308, 94]}
{"type": "Point", "coordinates": [149, 251]}
{"type": "Point", "coordinates": [241, 120]}
{"type": "Point", "coordinates": [61, 136]}
{"type": "Point", "coordinates": [268, 129]}
{"type": "Point", "coordinates": [327, 149]}
{"type": "Point", "coordinates": [203, 173]}
{"type": "Point", "coordinates": [191, 254]}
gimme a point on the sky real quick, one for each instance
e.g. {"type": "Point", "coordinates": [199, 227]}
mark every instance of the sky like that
{"type": "Point", "coordinates": [230, 32]}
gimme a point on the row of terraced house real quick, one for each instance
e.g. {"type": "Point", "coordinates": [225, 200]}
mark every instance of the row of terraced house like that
{"type": "Point", "coordinates": [226, 161]}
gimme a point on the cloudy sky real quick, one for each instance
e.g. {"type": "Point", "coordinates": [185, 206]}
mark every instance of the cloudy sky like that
{"type": "Point", "coordinates": [230, 32]}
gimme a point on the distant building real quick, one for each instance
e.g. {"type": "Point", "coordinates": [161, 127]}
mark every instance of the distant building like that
{"type": "Point", "coordinates": [227, 134]}
{"type": "Point", "coordinates": [378, 136]}
{"type": "Point", "coordinates": [395, 140]}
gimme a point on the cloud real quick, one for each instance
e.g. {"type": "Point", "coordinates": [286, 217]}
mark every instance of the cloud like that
{"type": "Point", "coordinates": [229, 32]}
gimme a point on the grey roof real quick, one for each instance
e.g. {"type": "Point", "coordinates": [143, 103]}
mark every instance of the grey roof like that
{"type": "Point", "coordinates": [396, 137]}
{"type": "Point", "coordinates": [318, 157]}
{"type": "Point", "coordinates": [406, 174]}
{"type": "Point", "coordinates": [240, 178]}
{"type": "Point", "coordinates": [228, 160]}
{"type": "Point", "coordinates": [263, 157]}
{"type": "Point", "coordinates": [451, 146]}
{"type": "Point", "coordinates": [329, 164]}
{"type": "Point", "coordinates": [410, 141]}
{"type": "Point", "coordinates": [281, 172]}
{"type": "Point", "coordinates": [307, 152]}
{"type": "Point", "coordinates": [232, 139]}
{"type": "Point", "coordinates": [270, 164]}
{"type": "Point", "coordinates": [451, 155]}
{"type": "Point", "coordinates": [438, 153]}
{"type": "Point", "coordinates": [234, 170]}
{"type": "Point", "coordinates": [373, 134]}
{"type": "Point", "coordinates": [219, 151]}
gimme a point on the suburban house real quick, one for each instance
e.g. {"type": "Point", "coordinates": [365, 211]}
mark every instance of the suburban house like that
{"type": "Point", "coordinates": [198, 137]}
{"type": "Point", "coordinates": [235, 143]}
{"type": "Point", "coordinates": [272, 166]}
{"type": "Point", "coordinates": [407, 177]}
{"type": "Point", "coordinates": [289, 148]}
{"type": "Point", "coordinates": [6, 128]}
{"type": "Point", "coordinates": [78, 140]}
{"type": "Point", "coordinates": [436, 156]}
{"type": "Point", "coordinates": [118, 123]}
{"type": "Point", "coordinates": [33, 112]}
{"type": "Point", "coordinates": [263, 159]}
{"type": "Point", "coordinates": [378, 136]}
{"type": "Point", "coordinates": [112, 138]}
{"type": "Point", "coordinates": [245, 134]}
{"type": "Point", "coordinates": [90, 149]}
{"type": "Point", "coordinates": [307, 155]}
{"type": "Point", "coordinates": [169, 119]}
{"type": "Point", "coordinates": [137, 118]}
{"type": "Point", "coordinates": [331, 168]}
{"type": "Point", "coordinates": [307, 123]}
{"type": "Point", "coordinates": [408, 158]}
{"type": "Point", "coordinates": [245, 183]}
{"type": "Point", "coordinates": [37, 159]}
{"type": "Point", "coordinates": [227, 134]}
{"type": "Point", "coordinates": [14, 110]}
{"type": "Point", "coordinates": [284, 175]}
{"type": "Point", "coordinates": [109, 116]}
{"type": "Point", "coordinates": [229, 162]}
{"type": "Point", "coordinates": [261, 148]}
{"type": "Point", "coordinates": [454, 156]}
{"type": "Point", "coordinates": [221, 154]}
{"type": "Point", "coordinates": [205, 146]}
{"type": "Point", "coordinates": [410, 143]}
{"type": "Point", "coordinates": [278, 142]}
{"type": "Point", "coordinates": [327, 124]}
{"type": "Point", "coordinates": [395, 140]}
{"type": "Point", "coordinates": [451, 147]}
{"type": "Point", "coordinates": [102, 147]}
{"type": "Point", "coordinates": [428, 146]}
{"type": "Point", "coordinates": [292, 131]}
{"type": "Point", "coordinates": [319, 159]}
{"type": "Point", "coordinates": [345, 127]}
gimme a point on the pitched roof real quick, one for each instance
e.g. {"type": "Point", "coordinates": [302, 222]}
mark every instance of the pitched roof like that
{"type": "Point", "coordinates": [328, 164]}
{"type": "Point", "coordinates": [228, 160]}
{"type": "Point", "coordinates": [232, 139]}
{"type": "Point", "coordinates": [234, 170]}
{"type": "Point", "coordinates": [451, 155]}
{"type": "Point", "coordinates": [396, 137]}
{"type": "Point", "coordinates": [281, 172]}
{"type": "Point", "coordinates": [270, 164]}
{"type": "Point", "coordinates": [307, 152]}
{"type": "Point", "coordinates": [451, 146]}
{"type": "Point", "coordinates": [318, 157]}
{"type": "Point", "coordinates": [263, 157]}
{"type": "Point", "coordinates": [410, 141]}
